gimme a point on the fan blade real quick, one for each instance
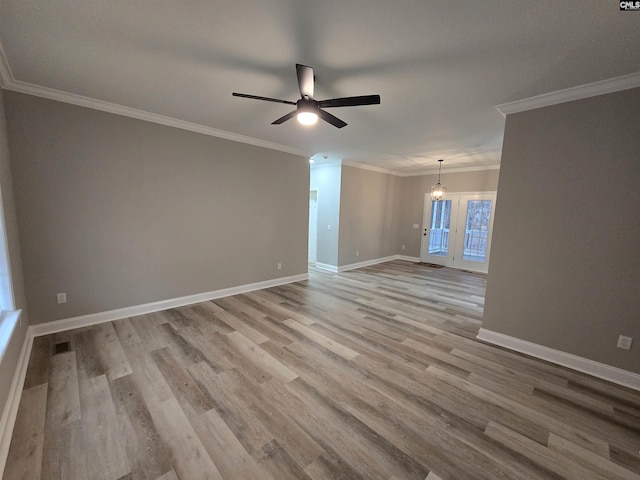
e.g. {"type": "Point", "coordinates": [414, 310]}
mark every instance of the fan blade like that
{"type": "Point", "coordinates": [350, 101]}
{"type": "Point", "coordinates": [305, 80]}
{"type": "Point", "coordinates": [327, 117]}
{"type": "Point", "coordinates": [286, 117]}
{"type": "Point", "coordinates": [266, 99]}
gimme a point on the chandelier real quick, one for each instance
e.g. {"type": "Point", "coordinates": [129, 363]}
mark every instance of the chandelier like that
{"type": "Point", "coordinates": [438, 191]}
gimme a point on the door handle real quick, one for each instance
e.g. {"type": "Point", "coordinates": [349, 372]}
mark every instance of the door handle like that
{"type": "Point", "coordinates": [425, 233]}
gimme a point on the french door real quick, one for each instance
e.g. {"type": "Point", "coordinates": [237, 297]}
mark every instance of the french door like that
{"type": "Point", "coordinates": [456, 231]}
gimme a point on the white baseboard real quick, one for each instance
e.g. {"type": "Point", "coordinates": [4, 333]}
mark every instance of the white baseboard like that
{"type": "Point", "coordinates": [101, 317]}
{"type": "Point", "coordinates": [366, 263]}
{"type": "Point", "coordinates": [408, 259]}
{"type": "Point", "coordinates": [10, 412]}
{"type": "Point", "coordinates": [584, 365]}
{"type": "Point", "coordinates": [326, 266]}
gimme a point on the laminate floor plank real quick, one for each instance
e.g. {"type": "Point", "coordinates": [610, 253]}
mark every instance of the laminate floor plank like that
{"type": "Point", "coordinates": [188, 455]}
{"type": "Point", "coordinates": [320, 339]}
{"type": "Point", "coordinates": [38, 369]}
{"type": "Point", "coordinates": [226, 451]}
{"type": "Point", "coordinates": [148, 377]}
{"type": "Point", "coordinates": [260, 358]}
{"type": "Point", "coordinates": [113, 357]}
{"type": "Point", "coordinates": [374, 373]}
{"type": "Point", "coordinates": [148, 332]}
{"type": "Point", "coordinates": [88, 359]}
{"type": "Point", "coordinates": [205, 318]}
{"type": "Point", "coordinates": [275, 460]}
{"type": "Point", "coordinates": [63, 436]}
{"type": "Point", "coordinates": [25, 452]}
{"type": "Point", "coordinates": [107, 458]}
{"type": "Point", "coordinates": [146, 450]}
{"type": "Point", "coordinates": [65, 453]}
{"type": "Point", "coordinates": [274, 306]}
{"type": "Point", "coordinates": [235, 323]}
{"type": "Point", "coordinates": [63, 398]}
{"type": "Point", "coordinates": [126, 332]}
{"type": "Point", "coordinates": [184, 388]}
{"type": "Point", "coordinates": [232, 407]}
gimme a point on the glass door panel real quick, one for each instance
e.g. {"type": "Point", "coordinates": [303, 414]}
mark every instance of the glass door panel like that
{"type": "Point", "coordinates": [438, 233]}
{"type": "Point", "coordinates": [440, 225]}
{"type": "Point", "coordinates": [476, 230]}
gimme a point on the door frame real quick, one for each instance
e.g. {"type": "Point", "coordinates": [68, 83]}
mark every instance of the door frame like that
{"type": "Point", "coordinates": [315, 254]}
{"type": "Point", "coordinates": [454, 258]}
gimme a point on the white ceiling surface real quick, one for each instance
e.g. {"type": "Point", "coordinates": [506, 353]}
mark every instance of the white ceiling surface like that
{"type": "Point", "coordinates": [440, 67]}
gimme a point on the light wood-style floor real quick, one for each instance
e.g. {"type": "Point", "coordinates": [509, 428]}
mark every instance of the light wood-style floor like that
{"type": "Point", "coordinates": [368, 374]}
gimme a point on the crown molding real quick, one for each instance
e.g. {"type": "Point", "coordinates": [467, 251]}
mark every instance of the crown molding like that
{"type": "Point", "coordinates": [611, 85]}
{"type": "Point", "coordinates": [372, 168]}
{"type": "Point", "coordinates": [430, 171]}
{"type": "Point", "coordinates": [427, 171]}
{"type": "Point", "coordinates": [316, 165]}
{"type": "Point", "coordinates": [38, 91]}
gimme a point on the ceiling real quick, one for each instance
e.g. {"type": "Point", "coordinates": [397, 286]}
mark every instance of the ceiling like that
{"type": "Point", "coordinates": [440, 67]}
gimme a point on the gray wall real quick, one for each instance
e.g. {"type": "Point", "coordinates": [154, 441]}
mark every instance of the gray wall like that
{"type": "Point", "coordinates": [409, 209]}
{"type": "Point", "coordinates": [119, 212]}
{"type": "Point", "coordinates": [565, 261]}
{"type": "Point", "coordinates": [10, 360]}
{"type": "Point", "coordinates": [326, 180]}
{"type": "Point", "coordinates": [367, 223]}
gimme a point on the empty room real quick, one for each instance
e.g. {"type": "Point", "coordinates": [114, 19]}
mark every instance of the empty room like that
{"type": "Point", "coordinates": [320, 240]}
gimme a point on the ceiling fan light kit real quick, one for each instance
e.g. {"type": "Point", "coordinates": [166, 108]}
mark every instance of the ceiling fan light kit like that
{"type": "Point", "coordinates": [307, 112]}
{"type": "Point", "coordinates": [307, 118]}
{"type": "Point", "coordinates": [307, 108]}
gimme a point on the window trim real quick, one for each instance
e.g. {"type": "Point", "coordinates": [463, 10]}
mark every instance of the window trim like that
{"type": "Point", "coordinates": [9, 321]}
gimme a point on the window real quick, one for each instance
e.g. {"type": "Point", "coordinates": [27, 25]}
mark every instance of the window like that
{"type": "Point", "coordinates": [9, 318]}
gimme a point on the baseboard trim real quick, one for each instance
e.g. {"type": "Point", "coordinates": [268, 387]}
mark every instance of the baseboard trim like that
{"type": "Point", "coordinates": [366, 263]}
{"type": "Point", "coordinates": [326, 266]}
{"type": "Point", "coordinates": [408, 259]}
{"type": "Point", "coordinates": [584, 365]}
{"type": "Point", "coordinates": [10, 412]}
{"type": "Point", "coordinates": [108, 316]}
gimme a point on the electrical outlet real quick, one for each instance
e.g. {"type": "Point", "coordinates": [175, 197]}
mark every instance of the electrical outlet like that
{"type": "Point", "coordinates": [357, 253]}
{"type": "Point", "coordinates": [403, 247]}
{"type": "Point", "coordinates": [279, 266]}
{"type": "Point", "coordinates": [61, 297]}
{"type": "Point", "coordinates": [329, 227]}
{"type": "Point", "coordinates": [624, 342]}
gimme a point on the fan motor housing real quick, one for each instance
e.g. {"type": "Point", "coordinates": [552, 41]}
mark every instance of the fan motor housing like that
{"type": "Point", "coordinates": [307, 105]}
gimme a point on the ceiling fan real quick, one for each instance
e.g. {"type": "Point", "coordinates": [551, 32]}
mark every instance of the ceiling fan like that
{"type": "Point", "coordinates": [309, 109]}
